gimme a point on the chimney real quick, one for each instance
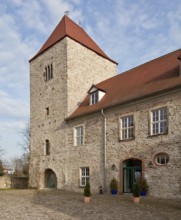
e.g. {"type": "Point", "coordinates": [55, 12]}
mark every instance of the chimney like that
{"type": "Point", "coordinates": [179, 58]}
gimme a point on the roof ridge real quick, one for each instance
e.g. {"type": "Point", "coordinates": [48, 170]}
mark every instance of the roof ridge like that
{"type": "Point", "coordinates": [136, 67]}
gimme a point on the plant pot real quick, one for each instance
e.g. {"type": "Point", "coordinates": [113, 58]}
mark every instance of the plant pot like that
{"type": "Point", "coordinates": [86, 199]}
{"type": "Point", "coordinates": [136, 199]}
{"type": "Point", "coordinates": [142, 193]}
{"type": "Point", "coordinates": [114, 191]}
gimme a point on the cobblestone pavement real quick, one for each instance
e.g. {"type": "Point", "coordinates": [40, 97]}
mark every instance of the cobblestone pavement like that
{"type": "Point", "coordinates": [52, 205]}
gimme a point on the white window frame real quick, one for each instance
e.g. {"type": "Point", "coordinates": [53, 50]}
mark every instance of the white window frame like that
{"type": "Point", "coordinates": [84, 176]}
{"type": "Point", "coordinates": [78, 138]}
{"type": "Point", "coordinates": [125, 128]}
{"type": "Point", "coordinates": [161, 156]}
{"type": "Point", "coordinates": [94, 97]}
{"type": "Point", "coordinates": [159, 122]}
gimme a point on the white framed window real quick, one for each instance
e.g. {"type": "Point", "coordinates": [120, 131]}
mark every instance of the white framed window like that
{"type": "Point", "coordinates": [94, 98]}
{"type": "Point", "coordinates": [79, 135]}
{"type": "Point", "coordinates": [84, 175]}
{"type": "Point", "coordinates": [161, 159]}
{"type": "Point", "coordinates": [127, 127]}
{"type": "Point", "coordinates": [159, 121]}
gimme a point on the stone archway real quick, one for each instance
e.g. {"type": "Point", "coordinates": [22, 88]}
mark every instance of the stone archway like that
{"type": "Point", "coordinates": [50, 179]}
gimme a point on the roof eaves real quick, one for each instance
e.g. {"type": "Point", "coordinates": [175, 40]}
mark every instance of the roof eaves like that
{"type": "Point", "coordinates": [178, 87]}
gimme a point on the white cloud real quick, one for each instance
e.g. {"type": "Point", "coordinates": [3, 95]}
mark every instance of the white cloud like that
{"type": "Point", "coordinates": [12, 107]}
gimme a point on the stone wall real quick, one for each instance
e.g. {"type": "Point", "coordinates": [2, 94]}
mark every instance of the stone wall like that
{"type": "Point", "coordinates": [11, 182]}
{"type": "Point", "coordinates": [84, 68]}
{"type": "Point", "coordinates": [164, 181]}
{"type": "Point", "coordinates": [75, 69]}
{"type": "Point", "coordinates": [5, 182]}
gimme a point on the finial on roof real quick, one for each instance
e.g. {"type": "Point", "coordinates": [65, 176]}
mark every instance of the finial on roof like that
{"type": "Point", "coordinates": [66, 13]}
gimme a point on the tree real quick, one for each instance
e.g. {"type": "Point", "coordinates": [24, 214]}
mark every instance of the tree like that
{"type": "Point", "coordinates": [20, 164]}
{"type": "Point", "coordinates": [25, 138]}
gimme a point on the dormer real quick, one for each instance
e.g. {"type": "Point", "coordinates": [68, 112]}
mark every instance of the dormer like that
{"type": "Point", "coordinates": [95, 95]}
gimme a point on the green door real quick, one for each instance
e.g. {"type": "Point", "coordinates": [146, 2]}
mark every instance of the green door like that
{"type": "Point", "coordinates": [50, 179]}
{"type": "Point", "coordinates": [130, 174]}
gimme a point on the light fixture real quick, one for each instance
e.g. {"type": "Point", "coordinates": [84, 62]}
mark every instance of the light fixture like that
{"type": "Point", "coordinates": [113, 167]}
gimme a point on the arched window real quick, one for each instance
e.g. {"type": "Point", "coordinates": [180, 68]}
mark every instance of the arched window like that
{"type": "Point", "coordinates": [51, 71]}
{"type": "Point", "coordinates": [45, 74]}
{"type": "Point", "coordinates": [49, 74]}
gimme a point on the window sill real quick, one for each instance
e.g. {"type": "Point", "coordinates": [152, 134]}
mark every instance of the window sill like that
{"type": "Point", "coordinates": [126, 140]}
{"type": "Point", "coordinates": [156, 135]}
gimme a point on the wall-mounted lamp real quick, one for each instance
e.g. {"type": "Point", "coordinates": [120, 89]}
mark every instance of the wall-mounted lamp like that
{"type": "Point", "coordinates": [113, 167]}
{"type": "Point", "coordinates": [150, 164]}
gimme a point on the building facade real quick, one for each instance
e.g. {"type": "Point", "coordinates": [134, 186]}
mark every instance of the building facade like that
{"type": "Point", "coordinates": [90, 124]}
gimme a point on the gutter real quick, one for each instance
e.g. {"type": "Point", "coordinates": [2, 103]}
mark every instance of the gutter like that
{"type": "Point", "coordinates": [130, 102]}
{"type": "Point", "coordinates": [104, 151]}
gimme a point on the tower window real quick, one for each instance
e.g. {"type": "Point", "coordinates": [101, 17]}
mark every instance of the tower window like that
{"type": "Point", "coordinates": [47, 111]}
{"type": "Point", "coordinates": [47, 147]}
{"type": "Point", "coordinates": [48, 73]}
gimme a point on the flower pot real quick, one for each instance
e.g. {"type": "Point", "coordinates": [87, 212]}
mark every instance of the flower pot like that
{"type": "Point", "coordinates": [142, 193]}
{"type": "Point", "coordinates": [114, 192]}
{"type": "Point", "coordinates": [86, 199]}
{"type": "Point", "coordinates": [136, 199]}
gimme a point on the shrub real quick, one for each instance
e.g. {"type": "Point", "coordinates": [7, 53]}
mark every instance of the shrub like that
{"type": "Point", "coordinates": [114, 184]}
{"type": "Point", "coordinates": [1, 173]}
{"type": "Point", "coordinates": [136, 190]}
{"type": "Point", "coordinates": [143, 185]}
{"type": "Point", "coordinates": [87, 190]}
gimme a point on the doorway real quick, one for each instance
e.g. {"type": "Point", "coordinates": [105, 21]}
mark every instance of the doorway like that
{"type": "Point", "coordinates": [132, 170]}
{"type": "Point", "coordinates": [50, 179]}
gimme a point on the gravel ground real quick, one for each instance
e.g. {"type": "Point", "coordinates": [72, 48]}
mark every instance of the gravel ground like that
{"type": "Point", "coordinates": [54, 204]}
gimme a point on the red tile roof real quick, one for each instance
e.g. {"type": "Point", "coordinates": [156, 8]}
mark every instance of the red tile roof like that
{"type": "Point", "coordinates": [153, 77]}
{"type": "Point", "coordinates": [67, 27]}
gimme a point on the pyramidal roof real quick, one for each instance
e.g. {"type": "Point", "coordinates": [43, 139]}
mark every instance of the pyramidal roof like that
{"type": "Point", "coordinates": [67, 27]}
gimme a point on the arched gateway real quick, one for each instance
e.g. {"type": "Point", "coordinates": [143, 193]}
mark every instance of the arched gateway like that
{"type": "Point", "coordinates": [132, 170]}
{"type": "Point", "coordinates": [50, 179]}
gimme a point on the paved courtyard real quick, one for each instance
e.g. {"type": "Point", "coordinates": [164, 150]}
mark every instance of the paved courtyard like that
{"type": "Point", "coordinates": [51, 205]}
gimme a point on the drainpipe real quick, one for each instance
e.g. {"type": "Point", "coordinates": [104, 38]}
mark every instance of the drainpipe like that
{"type": "Point", "coordinates": [104, 151]}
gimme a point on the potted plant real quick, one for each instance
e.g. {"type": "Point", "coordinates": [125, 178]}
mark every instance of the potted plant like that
{"type": "Point", "coordinates": [114, 186]}
{"type": "Point", "coordinates": [136, 192]}
{"type": "Point", "coordinates": [144, 187]}
{"type": "Point", "coordinates": [87, 193]}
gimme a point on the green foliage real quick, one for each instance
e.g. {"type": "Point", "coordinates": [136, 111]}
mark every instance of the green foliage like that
{"type": "Point", "coordinates": [1, 173]}
{"type": "Point", "coordinates": [143, 185]}
{"type": "Point", "coordinates": [114, 184]}
{"type": "Point", "coordinates": [87, 190]}
{"type": "Point", "coordinates": [137, 190]}
{"type": "Point", "coordinates": [1, 168]}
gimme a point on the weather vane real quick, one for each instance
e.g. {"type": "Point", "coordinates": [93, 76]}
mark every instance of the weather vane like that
{"type": "Point", "coordinates": [66, 13]}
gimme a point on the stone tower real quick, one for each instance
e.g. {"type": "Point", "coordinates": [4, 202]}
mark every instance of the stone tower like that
{"type": "Point", "coordinates": [61, 73]}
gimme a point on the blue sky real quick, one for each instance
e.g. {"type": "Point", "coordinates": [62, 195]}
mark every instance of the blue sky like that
{"type": "Point", "coordinates": [131, 32]}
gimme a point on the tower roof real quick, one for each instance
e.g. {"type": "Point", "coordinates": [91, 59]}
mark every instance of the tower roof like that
{"type": "Point", "coordinates": [67, 27]}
